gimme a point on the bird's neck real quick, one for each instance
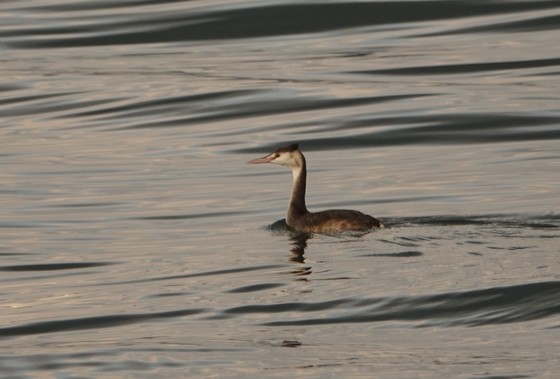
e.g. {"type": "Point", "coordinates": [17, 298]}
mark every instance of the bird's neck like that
{"type": "Point", "coordinates": [297, 198]}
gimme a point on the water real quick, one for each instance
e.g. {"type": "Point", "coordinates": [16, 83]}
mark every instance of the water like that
{"type": "Point", "coordinates": [136, 242]}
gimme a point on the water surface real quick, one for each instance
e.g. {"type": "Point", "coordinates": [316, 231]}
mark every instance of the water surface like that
{"type": "Point", "coordinates": [136, 242]}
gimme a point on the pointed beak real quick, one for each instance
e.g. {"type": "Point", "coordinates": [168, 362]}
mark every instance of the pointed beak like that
{"type": "Point", "coordinates": [266, 159]}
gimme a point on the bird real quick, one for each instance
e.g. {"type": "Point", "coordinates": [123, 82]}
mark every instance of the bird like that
{"type": "Point", "coordinates": [298, 218]}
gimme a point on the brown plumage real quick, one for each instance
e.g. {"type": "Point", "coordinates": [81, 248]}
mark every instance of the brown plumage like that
{"type": "Point", "coordinates": [298, 217]}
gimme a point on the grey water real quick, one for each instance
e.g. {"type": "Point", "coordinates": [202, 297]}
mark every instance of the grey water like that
{"type": "Point", "coordinates": [136, 242]}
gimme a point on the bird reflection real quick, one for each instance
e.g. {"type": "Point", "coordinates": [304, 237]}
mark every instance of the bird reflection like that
{"type": "Point", "coordinates": [299, 243]}
{"type": "Point", "coordinates": [298, 240]}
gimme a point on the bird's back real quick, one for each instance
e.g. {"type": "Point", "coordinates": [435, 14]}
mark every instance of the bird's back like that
{"type": "Point", "coordinates": [334, 221]}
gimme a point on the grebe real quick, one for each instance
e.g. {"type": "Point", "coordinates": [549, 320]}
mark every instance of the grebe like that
{"type": "Point", "coordinates": [332, 221]}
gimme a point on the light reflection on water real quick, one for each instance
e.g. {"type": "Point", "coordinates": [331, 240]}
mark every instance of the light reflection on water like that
{"type": "Point", "coordinates": [134, 237]}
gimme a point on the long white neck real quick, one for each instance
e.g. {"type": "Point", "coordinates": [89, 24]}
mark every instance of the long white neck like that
{"type": "Point", "coordinates": [297, 198]}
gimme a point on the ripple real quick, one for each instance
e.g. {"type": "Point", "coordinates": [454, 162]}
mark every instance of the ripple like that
{"type": "Point", "coordinates": [96, 322]}
{"type": "Point", "coordinates": [55, 266]}
{"type": "Point", "coordinates": [256, 287]}
{"type": "Point", "coordinates": [467, 68]}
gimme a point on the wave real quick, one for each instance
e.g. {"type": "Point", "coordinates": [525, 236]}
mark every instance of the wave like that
{"type": "Point", "coordinates": [173, 24]}
{"type": "Point", "coordinates": [498, 305]}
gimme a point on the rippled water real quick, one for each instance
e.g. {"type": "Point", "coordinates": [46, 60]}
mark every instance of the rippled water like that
{"type": "Point", "coordinates": [135, 242]}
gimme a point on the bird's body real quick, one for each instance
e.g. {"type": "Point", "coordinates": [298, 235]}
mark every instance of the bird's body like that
{"type": "Point", "coordinates": [331, 221]}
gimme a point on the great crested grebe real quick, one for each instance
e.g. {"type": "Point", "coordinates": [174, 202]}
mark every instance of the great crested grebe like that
{"type": "Point", "coordinates": [332, 221]}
